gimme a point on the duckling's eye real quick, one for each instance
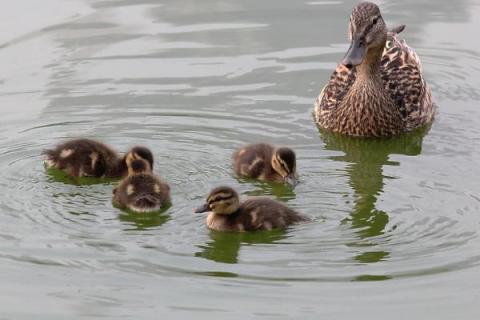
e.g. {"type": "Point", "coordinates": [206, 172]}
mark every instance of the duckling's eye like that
{"type": "Point", "coordinates": [374, 22]}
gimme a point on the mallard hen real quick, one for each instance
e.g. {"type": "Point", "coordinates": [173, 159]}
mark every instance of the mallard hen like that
{"type": "Point", "coordinates": [378, 88]}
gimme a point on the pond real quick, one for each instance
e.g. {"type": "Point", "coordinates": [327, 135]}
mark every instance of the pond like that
{"type": "Point", "coordinates": [395, 222]}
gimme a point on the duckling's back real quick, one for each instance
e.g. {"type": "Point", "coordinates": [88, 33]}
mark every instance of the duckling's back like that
{"type": "Point", "coordinates": [254, 161]}
{"type": "Point", "coordinates": [259, 213]}
{"type": "Point", "coordinates": [83, 157]}
{"type": "Point", "coordinates": [265, 214]}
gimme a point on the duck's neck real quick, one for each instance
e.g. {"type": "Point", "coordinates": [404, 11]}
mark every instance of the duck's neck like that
{"type": "Point", "coordinates": [368, 89]}
{"type": "Point", "coordinates": [367, 109]}
{"type": "Point", "coordinates": [368, 72]}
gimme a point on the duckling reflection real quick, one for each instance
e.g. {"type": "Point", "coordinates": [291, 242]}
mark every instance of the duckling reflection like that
{"type": "Point", "coordinates": [143, 221]}
{"type": "Point", "coordinates": [281, 191]}
{"type": "Point", "coordinates": [225, 246]}
{"type": "Point", "coordinates": [365, 159]}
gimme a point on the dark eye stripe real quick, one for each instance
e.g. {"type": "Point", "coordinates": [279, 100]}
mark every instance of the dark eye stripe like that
{"type": "Point", "coordinates": [367, 29]}
{"type": "Point", "coordinates": [371, 25]}
{"type": "Point", "coordinates": [220, 198]}
{"type": "Point", "coordinates": [279, 161]}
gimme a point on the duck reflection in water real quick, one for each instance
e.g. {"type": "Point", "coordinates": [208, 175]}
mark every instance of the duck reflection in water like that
{"type": "Point", "coordinates": [279, 191]}
{"type": "Point", "coordinates": [225, 246]}
{"type": "Point", "coordinates": [365, 158]}
{"type": "Point", "coordinates": [144, 221]}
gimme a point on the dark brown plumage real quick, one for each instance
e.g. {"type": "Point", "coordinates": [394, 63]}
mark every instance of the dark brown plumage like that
{"type": "Point", "coordinates": [226, 213]}
{"type": "Point", "coordinates": [90, 158]}
{"type": "Point", "coordinates": [141, 191]}
{"type": "Point", "coordinates": [378, 89]}
{"type": "Point", "coordinates": [265, 162]}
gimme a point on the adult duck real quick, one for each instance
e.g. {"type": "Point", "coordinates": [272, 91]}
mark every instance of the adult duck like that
{"type": "Point", "coordinates": [378, 88]}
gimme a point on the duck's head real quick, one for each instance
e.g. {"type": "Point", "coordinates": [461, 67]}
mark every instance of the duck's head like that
{"type": "Point", "coordinates": [368, 33]}
{"type": "Point", "coordinates": [285, 164]}
{"type": "Point", "coordinates": [221, 200]}
{"type": "Point", "coordinates": [138, 166]}
{"type": "Point", "coordinates": [139, 153]}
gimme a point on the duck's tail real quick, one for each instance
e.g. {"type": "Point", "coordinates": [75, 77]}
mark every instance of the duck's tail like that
{"type": "Point", "coordinates": [396, 30]}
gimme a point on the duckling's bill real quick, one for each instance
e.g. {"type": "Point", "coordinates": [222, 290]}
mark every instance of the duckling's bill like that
{"type": "Point", "coordinates": [291, 179]}
{"type": "Point", "coordinates": [145, 203]}
{"type": "Point", "coordinates": [204, 208]}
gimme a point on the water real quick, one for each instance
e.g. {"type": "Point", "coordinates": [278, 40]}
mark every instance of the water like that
{"type": "Point", "coordinates": [395, 227]}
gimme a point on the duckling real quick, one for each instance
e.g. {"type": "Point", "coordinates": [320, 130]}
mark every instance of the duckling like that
{"type": "Point", "coordinates": [265, 162]}
{"type": "Point", "coordinates": [90, 158]}
{"type": "Point", "coordinates": [141, 191]}
{"type": "Point", "coordinates": [226, 213]}
{"type": "Point", "coordinates": [378, 88]}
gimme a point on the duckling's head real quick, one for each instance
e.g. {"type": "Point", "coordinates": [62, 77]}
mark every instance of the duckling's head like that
{"type": "Point", "coordinates": [368, 34]}
{"type": "Point", "coordinates": [221, 200]}
{"type": "Point", "coordinates": [139, 153]}
{"type": "Point", "coordinates": [140, 191]}
{"type": "Point", "coordinates": [143, 197]}
{"type": "Point", "coordinates": [285, 164]}
{"type": "Point", "coordinates": [138, 166]}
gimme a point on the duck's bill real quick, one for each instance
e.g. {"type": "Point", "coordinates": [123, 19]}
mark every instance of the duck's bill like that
{"type": "Point", "coordinates": [203, 208]}
{"type": "Point", "coordinates": [356, 53]}
{"type": "Point", "coordinates": [291, 180]}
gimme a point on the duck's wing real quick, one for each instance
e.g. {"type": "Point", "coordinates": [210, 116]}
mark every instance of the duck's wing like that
{"type": "Point", "coordinates": [402, 76]}
{"type": "Point", "coordinates": [335, 90]}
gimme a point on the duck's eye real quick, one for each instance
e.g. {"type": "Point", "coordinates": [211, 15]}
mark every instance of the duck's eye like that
{"type": "Point", "coordinates": [374, 22]}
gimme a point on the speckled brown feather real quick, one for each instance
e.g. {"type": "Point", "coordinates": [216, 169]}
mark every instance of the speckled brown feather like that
{"type": "Point", "coordinates": [403, 79]}
{"type": "Point", "coordinates": [256, 213]}
{"type": "Point", "coordinates": [359, 116]}
{"type": "Point", "coordinates": [254, 161]}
